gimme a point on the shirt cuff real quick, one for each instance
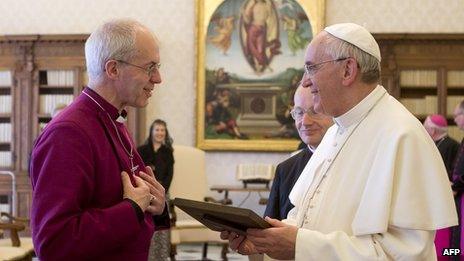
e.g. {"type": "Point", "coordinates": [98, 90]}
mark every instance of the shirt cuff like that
{"type": "Point", "coordinates": [138, 210]}
{"type": "Point", "coordinates": [163, 220]}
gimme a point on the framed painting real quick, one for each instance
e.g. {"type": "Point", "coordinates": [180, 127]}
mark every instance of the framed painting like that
{"type": "Point", "coordinates": [250, 56]}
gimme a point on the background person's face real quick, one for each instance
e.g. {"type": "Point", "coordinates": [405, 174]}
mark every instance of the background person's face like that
{"type": "Point", "coordinates": [428, 128]}
{"type": "Point", "coordinates": [310, 128]}
{"type": "Point", "coordinates": [159, 133]}
{"type": "Point", "coordinates": [459, 117]}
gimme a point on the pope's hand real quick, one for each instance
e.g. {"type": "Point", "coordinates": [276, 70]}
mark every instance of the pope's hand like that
{"type": "Point", "coordinates": [239, 243]}
{"type": "Point", "coordinates": [277, 242]}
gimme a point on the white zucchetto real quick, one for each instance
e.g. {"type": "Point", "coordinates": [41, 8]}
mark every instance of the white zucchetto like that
{"type": "Point", "coordinates": [357, 36]}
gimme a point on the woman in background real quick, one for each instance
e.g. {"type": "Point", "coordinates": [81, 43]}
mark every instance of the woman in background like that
{"type": "Point", "coordinates": [157, 152]}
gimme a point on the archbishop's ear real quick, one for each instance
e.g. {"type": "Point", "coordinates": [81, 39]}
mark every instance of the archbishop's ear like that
{"type": "Point", "coordinates": [111, 69]}
{"type": "Point", "coordinates": [350, 71]}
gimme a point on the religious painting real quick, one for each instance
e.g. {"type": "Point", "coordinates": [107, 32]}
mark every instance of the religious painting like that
{"type": "Point", "coordinates": [250, 56]}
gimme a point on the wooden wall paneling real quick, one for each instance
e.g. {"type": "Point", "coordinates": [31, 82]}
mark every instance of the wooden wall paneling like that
{"type": "Point", "coordinates": [27, 56]}
{"type": "Point", "coordinates": [439, 52]}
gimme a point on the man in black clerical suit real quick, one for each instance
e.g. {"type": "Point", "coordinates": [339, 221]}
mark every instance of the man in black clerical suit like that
{"type": "Point", "coordinates": [311, 127]}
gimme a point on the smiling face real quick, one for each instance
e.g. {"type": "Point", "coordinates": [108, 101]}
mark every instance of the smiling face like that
{"type": "Point", "coordinates": [159, 133]}
{"type": "Point", "coordinates": [324, 81]}
{"type": "Point", "coordinates": [136, 84]}
{"type": "Point", "coordinates": [310, 127]}
{"type": "Point", "coordinates": [459, 116]}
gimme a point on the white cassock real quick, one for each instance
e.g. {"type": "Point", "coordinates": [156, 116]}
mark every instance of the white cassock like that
{"type": "Point", "coordinates": [376, 188]}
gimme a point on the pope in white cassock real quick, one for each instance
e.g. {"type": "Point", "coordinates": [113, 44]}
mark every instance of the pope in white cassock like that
{"type": "Point", "coordinates": [376, 187]}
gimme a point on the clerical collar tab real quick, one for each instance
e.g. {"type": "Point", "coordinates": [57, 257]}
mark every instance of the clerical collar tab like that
{"type": "Point", "coordinates": [122, 116]}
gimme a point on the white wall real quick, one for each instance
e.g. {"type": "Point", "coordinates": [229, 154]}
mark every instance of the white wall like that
{"type": "Point", "coordinates": [411, 16]}
{"type": "Point", "coordinates": [174, 23]}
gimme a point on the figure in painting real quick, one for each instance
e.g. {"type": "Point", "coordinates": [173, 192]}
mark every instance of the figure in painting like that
{"type": "Point", "coordinates": [259, 33]}
{"type": "Point", "coordinates": [224, 28]}
{"type": "Point", "coordinates": [219, 116]}
{"type": "Point", "coordinates": [295, 39]}
{"type": "Point", "coordinates": [263, 29]}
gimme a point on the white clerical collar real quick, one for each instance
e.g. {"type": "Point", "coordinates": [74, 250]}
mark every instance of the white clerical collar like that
{"type": "Point", "coordinates": [358, 112]}
{"type": "Point", "coordinates": [311, 148]}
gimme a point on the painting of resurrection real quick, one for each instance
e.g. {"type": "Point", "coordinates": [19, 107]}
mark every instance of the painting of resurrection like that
{"type": "Point", "coordinates": [250, 62]}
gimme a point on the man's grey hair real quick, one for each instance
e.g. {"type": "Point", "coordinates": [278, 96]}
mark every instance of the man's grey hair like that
{"type": "Point", "coordinates": [368, 64]}
{"type": "Point", "coordinates": [113, 40]}
{"type": "Point", "coordinates": [439, 129]}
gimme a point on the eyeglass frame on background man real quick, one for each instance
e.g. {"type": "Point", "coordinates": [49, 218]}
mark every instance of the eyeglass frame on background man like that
{"type": "Point", "coordinates": [298, 113]}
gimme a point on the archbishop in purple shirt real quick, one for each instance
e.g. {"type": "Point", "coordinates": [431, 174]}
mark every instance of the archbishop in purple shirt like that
{"type": "Point", "coordinates": [93, 198]}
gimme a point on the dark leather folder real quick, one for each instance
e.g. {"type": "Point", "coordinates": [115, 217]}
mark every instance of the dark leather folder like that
{"type": "Point", "coordinates": [220, 217]}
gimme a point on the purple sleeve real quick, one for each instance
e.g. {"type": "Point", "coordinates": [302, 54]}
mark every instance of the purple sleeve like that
{"type": "Point", "coordinates": [64, 223]}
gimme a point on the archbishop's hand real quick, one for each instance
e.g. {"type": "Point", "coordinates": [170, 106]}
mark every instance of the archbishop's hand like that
{"type": "Point", "coordinates": [140, 194]}
{"type": "Point", "coordinates": [239, 243]}
{"type": "Point", "coordinates": [277, 242]}
{"type": "Point", "coordinates": [158, 200]}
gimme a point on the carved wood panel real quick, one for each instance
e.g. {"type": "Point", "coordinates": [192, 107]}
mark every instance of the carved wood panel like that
{"type": "Point", "coordinates": [419, 53]}
{"type": "Point", "coordinates": [26, 56]}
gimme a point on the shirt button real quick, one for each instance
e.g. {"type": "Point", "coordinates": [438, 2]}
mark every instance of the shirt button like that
{"type": "Point", "coordinates": [329, 160]}
{"type": "Point", "coordinates": [312, 206]}
{"type": "Point", "coordinates": [318, 191]}
{"type": "Point", "coordinates": [335, 144]}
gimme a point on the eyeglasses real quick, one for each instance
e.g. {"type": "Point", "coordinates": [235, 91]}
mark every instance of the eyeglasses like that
{"type": "Point", "coordinates": [311, 69]}
{"type": "Point", "coordinates": [150, 70]}
{"type": "Point", "coordinates": [298, 113]}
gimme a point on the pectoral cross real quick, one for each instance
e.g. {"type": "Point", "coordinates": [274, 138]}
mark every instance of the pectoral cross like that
{"type": "Point", "coordinates": [133, 168]}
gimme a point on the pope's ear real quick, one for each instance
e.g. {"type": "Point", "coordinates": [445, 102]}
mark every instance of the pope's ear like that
{"type": "Point", "coordinates": [350, 71]}
{"type": "Point", "coordinates": [111, 69]}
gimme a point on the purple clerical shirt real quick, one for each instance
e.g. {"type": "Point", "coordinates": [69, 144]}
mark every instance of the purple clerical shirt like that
{"type": "Point", "coordinates": [78, 211]}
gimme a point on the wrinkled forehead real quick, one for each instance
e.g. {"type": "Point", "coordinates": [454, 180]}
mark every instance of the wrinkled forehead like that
{"type": "Point", "coordinates": [147, 44]}
{"type": "Point", "coordinates": [316, 49]}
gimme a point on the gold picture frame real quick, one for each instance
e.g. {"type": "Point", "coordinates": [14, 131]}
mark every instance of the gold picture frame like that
{"type": "Point", "coordinates": [249, 61]}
